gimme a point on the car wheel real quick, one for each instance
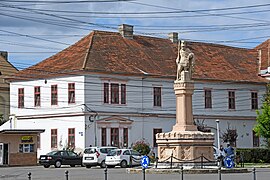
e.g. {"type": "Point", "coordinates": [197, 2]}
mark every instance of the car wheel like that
{"type": "Point", "coordinates": [88, 166]}
{"type": "Point", "coordinates": [72, 165]}
{"type": "Point", "coordinates": [102, 164]}
{"type": "Point", "coordinates": [123, 164]}
{"type": "Point", "coordinates": [47, 166]}
{"type": "Point", "coordinates": [58, 164]}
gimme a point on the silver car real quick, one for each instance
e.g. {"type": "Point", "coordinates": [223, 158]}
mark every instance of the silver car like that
{"type": "Point", "coordinates": [95, 156]}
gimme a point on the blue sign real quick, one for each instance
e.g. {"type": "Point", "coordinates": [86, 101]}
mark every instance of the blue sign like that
{"type": "Point", "coordinates": [228, 162]}
{"type": "Point", "coordinates": [145, 161]}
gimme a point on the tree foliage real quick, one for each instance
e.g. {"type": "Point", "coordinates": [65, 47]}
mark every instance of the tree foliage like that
{"type": "Point", "coordinates": [2, 121]}
{"type": "Point", "coordinates": [262, 128]}
{"type": "Point", "coordinates": [142, 147]}
{"type": "Point", "coordinates": [229, 136]}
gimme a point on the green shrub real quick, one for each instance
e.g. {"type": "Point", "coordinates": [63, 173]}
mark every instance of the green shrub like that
{"type": "Point", "coordinates": [142, 147]}
{"type": "Point", "coordinates": [254, 155]}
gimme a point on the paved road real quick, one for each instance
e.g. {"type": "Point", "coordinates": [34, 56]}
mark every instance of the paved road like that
{"type": "Point", "coordinates": [81, 173]}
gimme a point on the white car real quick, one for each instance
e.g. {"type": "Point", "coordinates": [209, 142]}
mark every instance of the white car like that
{"type": "Point", "coordinates": [95, 156]}
{"type": "Point", "coordinates": [123, 158]}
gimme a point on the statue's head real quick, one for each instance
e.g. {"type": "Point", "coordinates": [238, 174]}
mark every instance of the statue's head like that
{"type": "Point", "coordinates": [183, 44]}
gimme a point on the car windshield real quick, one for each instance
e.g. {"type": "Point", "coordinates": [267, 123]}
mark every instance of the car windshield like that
{"type": "Point", "coordinates": [89, 151]}
{"type": "Point", "coordinates": [52, 153]}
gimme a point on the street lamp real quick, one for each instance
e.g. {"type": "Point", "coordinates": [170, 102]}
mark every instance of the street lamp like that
{"type": "Point", "coordinates": [218, 141]}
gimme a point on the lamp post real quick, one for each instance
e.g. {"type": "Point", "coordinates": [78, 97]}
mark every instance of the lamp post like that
{"type": "Point", "coordinates": [218, 142]}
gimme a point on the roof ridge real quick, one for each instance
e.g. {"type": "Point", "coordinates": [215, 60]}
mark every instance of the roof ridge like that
{"type": "Point", "coordinates": [88, 51]}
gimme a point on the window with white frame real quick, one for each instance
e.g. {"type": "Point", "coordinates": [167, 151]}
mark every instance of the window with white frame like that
{"type": "Point", "coordinates": [21, 98]}
{"type": "Point", "coordinates": [71, 93]}
{"type": "Point", "coordinates": [157, 96]}
{"type": "Point", "coordinates": [37, 96]}
{"type": "Point", "coordinates": [208, 98]}
{"type": "Point", "coordinates": [231, 99]}
{"type": "Point", "coordinates": [254, 100]}
{"type": "Point", "coordinates": [114, 93]}
{"type": "Point", "coordinates": [26, 148]}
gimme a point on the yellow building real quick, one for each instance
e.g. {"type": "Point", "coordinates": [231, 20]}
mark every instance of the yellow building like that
{"type": "Point", "coordinates": [6, 70]}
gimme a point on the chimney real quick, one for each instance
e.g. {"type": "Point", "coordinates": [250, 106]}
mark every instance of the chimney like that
{"type": "Point", "coordinates": [260, 60]}
{"type": "Point", "coordinates": [4, 54]}
{"type": "Point", "coordinates": [173, 36]}
{"type": "Point", "coordinates": [126, 31]}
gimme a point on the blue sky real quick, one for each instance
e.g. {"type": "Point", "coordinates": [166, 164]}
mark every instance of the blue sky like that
{"type": "Point", "coordinates": [34, 30]}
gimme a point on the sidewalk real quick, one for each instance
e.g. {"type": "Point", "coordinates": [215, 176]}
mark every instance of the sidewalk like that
{"type": "Point", "coordinates": [213, 170]}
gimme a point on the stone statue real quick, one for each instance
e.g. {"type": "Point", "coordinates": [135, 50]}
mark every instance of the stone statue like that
{"type": "Point", "coordinates": [185, 62]}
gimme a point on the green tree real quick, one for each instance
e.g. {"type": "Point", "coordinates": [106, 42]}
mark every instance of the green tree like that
{"type": "Point", "coordinates": [142, 147]}
{"type": "Point", "coordinates": [229, 136]}
{"type": "Point", "coordinates": [262, 128]}
{"type": "Point", "coordinates": [2, 121]}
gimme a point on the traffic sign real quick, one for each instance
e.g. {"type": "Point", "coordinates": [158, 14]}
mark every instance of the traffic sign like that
{"type": "Point", "coordinates": [228, 162]}
{"type": "Point", "coordinates": [145, 161]}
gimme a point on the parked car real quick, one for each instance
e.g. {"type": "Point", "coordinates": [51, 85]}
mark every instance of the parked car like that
{"type": "Point", "coordinates": [95, 156]}
{"type": "Point", "coordinates": [58, 158]}
{"type": "Point", "coordinates": [123, 158]}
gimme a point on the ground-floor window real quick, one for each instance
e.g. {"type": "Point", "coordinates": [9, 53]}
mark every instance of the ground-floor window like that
{"type": "Point", "coordinates": [155, 131]}
{"type": "Point", "coordinates": [125, 137]}
{"type": "Point", "coordinates": [71, 137]}
{"type": "Point", "coordinates": [115, 137]}
{"type": "Point", "coordinates": [26, 148]}
{"type": "Point", "coordinates": [103, 136]}
{"type": "Point", "coordinates": [256, 140]}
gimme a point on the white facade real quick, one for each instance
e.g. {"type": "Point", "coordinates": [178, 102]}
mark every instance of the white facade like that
{"type": "Point", "coordinates": [89, 114]}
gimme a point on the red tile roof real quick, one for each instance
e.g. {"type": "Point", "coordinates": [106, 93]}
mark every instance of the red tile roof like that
{"type": "Point", "coordinates": [109, 52]}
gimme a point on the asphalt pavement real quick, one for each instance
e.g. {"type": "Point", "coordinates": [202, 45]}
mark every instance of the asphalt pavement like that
{"type": "Point", "coordinates": [81, 173]}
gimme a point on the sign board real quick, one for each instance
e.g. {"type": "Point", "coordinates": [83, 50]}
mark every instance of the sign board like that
{"type": "Point", "coordinates": [27, 139]}
{"type": "Point", "coordinates": [145, 161]}
{"type": "Point", "coordinates": [228, 162]}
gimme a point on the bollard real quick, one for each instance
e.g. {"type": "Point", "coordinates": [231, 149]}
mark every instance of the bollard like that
{"type": "Point", "coordinates": [254, 173]}
{"type": "Point", "coordinates": [29, 175]}
{"type": "Point", "coordinates": [202, 161]}
{"type": "Point", "coordinates": [66, 174]}
{"type": "Point", "coordinates": [156, 162]}
{"type": "Point", "coordinates": [219, 173]}
{"type": "Point", "coordinates": [171, 160]}
{"type": "Point", "coordinates": [143, 172]}
{"type": "Point", "coordinates": [130, 161]}
{"type": "Point", "coordinates": [105, 172]}
{"type": "Point", "coordinates": [182, 172]}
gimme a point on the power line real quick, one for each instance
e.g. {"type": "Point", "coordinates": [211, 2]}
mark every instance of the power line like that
{"type": "Point", "coordinates": [150, 12]}
{"type": "Point", "coordinates": [66, 2]}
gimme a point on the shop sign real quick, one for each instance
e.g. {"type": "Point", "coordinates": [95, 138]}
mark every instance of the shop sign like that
{"type": "Point", "coordinates": [27, 139]}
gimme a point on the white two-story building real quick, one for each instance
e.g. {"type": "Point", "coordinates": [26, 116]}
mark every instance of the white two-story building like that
{"type": "Point", "coordinates": [114, 88]}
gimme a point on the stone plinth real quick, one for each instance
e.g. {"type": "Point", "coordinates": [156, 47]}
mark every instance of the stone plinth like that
{"type": "Point", "coordinates": [185, 145]}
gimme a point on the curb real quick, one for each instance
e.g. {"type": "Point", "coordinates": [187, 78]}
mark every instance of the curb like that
{"type": "Point", "coordinates": [186, 171]}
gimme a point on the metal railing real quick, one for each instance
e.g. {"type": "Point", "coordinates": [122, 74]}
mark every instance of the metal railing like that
{"type": "Point", "coordinates": [200, 161]}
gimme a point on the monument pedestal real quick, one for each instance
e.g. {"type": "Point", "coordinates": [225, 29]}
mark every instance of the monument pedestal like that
{"type": "Point", "coordinates": [185, 142]}
{"type": "Point", "coordinates": [185, 145]}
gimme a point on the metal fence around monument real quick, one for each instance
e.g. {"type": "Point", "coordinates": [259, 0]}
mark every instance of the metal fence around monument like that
{"type": "Point", "coordinates": [173, 162]}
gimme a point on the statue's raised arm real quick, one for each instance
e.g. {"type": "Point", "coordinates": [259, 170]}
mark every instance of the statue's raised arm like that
{"type": "Point", "coordinates": [185, 62]}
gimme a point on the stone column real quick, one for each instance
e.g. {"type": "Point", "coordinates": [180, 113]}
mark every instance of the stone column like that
{"type": "Point", "coordinates": [184, 116]}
